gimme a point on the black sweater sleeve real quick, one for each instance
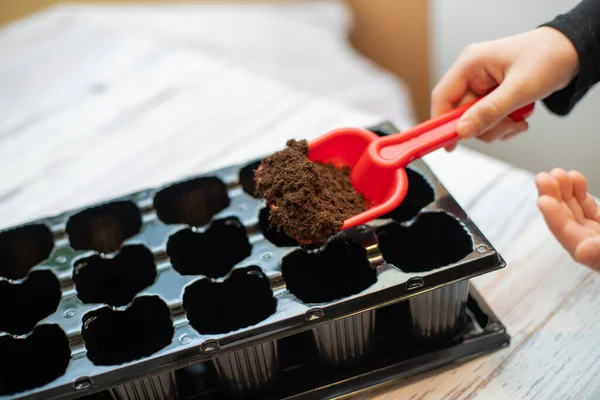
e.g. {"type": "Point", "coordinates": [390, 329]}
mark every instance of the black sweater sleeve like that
{"type": "Point", "coordinates": [582, 26]}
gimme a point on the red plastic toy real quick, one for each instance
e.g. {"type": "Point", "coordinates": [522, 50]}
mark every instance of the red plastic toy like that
{"type": "Point", "coordinates": [378, 163]}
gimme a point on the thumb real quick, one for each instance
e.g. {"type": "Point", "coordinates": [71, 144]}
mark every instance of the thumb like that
{"type": "Point", "coordinates": [490, 110]}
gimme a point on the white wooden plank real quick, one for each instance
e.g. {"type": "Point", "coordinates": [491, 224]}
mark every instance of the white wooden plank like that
{"type": "Point", "coordinates": [303, 44]}
{"type": "Point", "coordinates": [560, 360]}
{"type": "Point", "coordinates": [173, 124]}
{"type": "Point", "coordinates": [64, 69]}
{"type": "Point", "coordinates": [72, 130]}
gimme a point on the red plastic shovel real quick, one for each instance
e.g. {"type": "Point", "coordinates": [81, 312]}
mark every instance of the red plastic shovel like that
{"type": "Point", "coordinates": [378, 163]}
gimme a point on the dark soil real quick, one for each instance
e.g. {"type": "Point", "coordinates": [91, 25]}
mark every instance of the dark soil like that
{"type": "Point", "coordinates": [311, 200]}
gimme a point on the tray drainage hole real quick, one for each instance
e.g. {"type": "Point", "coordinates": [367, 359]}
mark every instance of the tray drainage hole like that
{"type": "Point", "coordinates": [314, 314]}
{"type": "Point", "coordinates": [114, 337]}
{"type": "Point", "coordinates": [271, 232]}
{"type": "Point", "coordinates": [82, 384]}
{"type": "Point", "coordinates": [105, 227]}
{"type": "Point", "coordinates": [435, 240]}
{"type": "Point", "coordinates": [240, 301]}
{"type": "Point", "coordinates": [247, 179]}
{"type": "Point", "coordinates": [340, 270]}
{"type": "Point", "coordinates": [33, 361]}
{"type": "Point", "coordinates": [114, 281]}
{"type": "Point", "coordinates": [210, 347]}
{"type": "Point", "coordinates": [414, 283]}
{"type": "Point", "coordinates": [420, 194]}
{"type": "Point", "coordinates": [23, 248]}
{"type": "Point", "coordinates": [212, 253]}
{"type": "Point", "coordinates": [193, 202]}
{"type": "Point", "coordinates": [23, 305]}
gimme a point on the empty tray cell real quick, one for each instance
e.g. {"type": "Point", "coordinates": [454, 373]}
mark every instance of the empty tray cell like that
{"type": "Point", "coordinates": [436, 239]}
{"type": "Point", "coordinates": [23, 248]}
{"type": "Point", "coordinates": [249, 372]}
{"type": "Point", "coordinates": [343, 342]}
{"type": "Point", "coordinates": [247, 178]}
{"type": "Point", "coordinates": [158, 387]}
{"type": "Point", "coordinates": [243, 300]}
{"type": "Point", "coordinates": [193, 202]}
{"type": "Point", "coordinates": [212, 253]}
{"type": "Point", "coordinates": [420, 194]}
{"type": "Point", "coordinates": [115, 337]}
{"type": "Point", "coordinates": [114, 281]}
{"type": "Point", "coordinates": [23, 305]}
{"type": "Point", "coordinates": [105, 227]}
{"type": "Point", "coordinates": [440, 312]}
{"type": "Point", "coordinates": [342, 269]}
{"type": "Point", "coordinates": [271, 232]}
{"type": "Point", "coordinates": [33, 361]}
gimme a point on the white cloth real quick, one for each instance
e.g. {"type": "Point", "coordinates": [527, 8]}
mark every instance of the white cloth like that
{"type": "Point", "coordinates": [301, 43]}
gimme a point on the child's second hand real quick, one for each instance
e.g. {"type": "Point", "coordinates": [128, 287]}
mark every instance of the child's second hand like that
{"type": "Point", "coordinates": [571, 213]}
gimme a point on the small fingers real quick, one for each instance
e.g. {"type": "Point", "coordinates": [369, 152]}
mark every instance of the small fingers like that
{"type": "Point", "coordinates": [469, 97]}
{"type": "Point", "coordinates": [491, 109]}
{"type": "Point", "coordinates": [505, 128]}
{"type": "Point", "coordinates": [564, 181]}
{"type": "Point", "coordinates": [577, 202]}
{"type": "Point", "coordinates": [449, 90]}
{"type": "Point", "coordinates": [491, 135]}
{"type": "Point", "coordinates": [590, 208]}
{"type": "Point", "coordinates": [568, 232]}
{"type": "Point", "coordinates": [451, 148]}
{"type": "Point", "coordinates": [523, 126]}
{"type": "Point", "coordinates": [579, 185]}
{"type": "Point", "coordinates": [455, 87]}
{"type": "Point", "coordinates": [547, 185]}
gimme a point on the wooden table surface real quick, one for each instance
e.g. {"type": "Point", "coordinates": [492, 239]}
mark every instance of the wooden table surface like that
{"type": "Point", "coordinates": [89, 112]}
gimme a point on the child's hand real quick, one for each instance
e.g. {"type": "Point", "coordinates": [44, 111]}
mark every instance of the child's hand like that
{"type": "Point", "coordinates": [571, 214]}
{"type": "Point", "coordinates": [521, 69]}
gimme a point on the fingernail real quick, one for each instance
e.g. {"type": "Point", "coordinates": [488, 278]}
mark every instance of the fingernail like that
{"type": "Point", "coordinates": [466, 128]}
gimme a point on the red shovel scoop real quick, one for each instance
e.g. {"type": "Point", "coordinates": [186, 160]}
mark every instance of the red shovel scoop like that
{"type": "Point", "coordinates": [378, 164]}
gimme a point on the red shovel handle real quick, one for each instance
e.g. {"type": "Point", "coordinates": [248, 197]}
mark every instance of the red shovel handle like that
{"type": "Point", "coordinates": [399, 150]}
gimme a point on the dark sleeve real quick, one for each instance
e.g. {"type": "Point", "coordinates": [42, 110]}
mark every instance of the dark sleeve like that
{"type": "Point", "coordinates": [582, 26]}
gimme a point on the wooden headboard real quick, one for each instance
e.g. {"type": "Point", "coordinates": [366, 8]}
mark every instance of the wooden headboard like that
{"type": "Point", "coordinates": [395, 34]}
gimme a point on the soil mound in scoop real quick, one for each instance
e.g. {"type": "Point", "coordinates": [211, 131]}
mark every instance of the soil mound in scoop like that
{"type": "Point", "coordinates": [311, 200]}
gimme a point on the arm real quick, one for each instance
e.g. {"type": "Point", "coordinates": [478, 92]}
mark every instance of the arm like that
{"type": "Point", "coordinates": [582, 26]}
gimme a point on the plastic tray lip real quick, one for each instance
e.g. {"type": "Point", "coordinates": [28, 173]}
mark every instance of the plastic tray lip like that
{"type": "Point", "coordinates": [283, 323]}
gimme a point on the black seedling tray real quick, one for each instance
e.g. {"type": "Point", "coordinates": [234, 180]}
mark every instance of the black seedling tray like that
{"type": "Point", "coordinates": [397, 355]}
{"type": "Point", "coordinates": [133, 296]}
